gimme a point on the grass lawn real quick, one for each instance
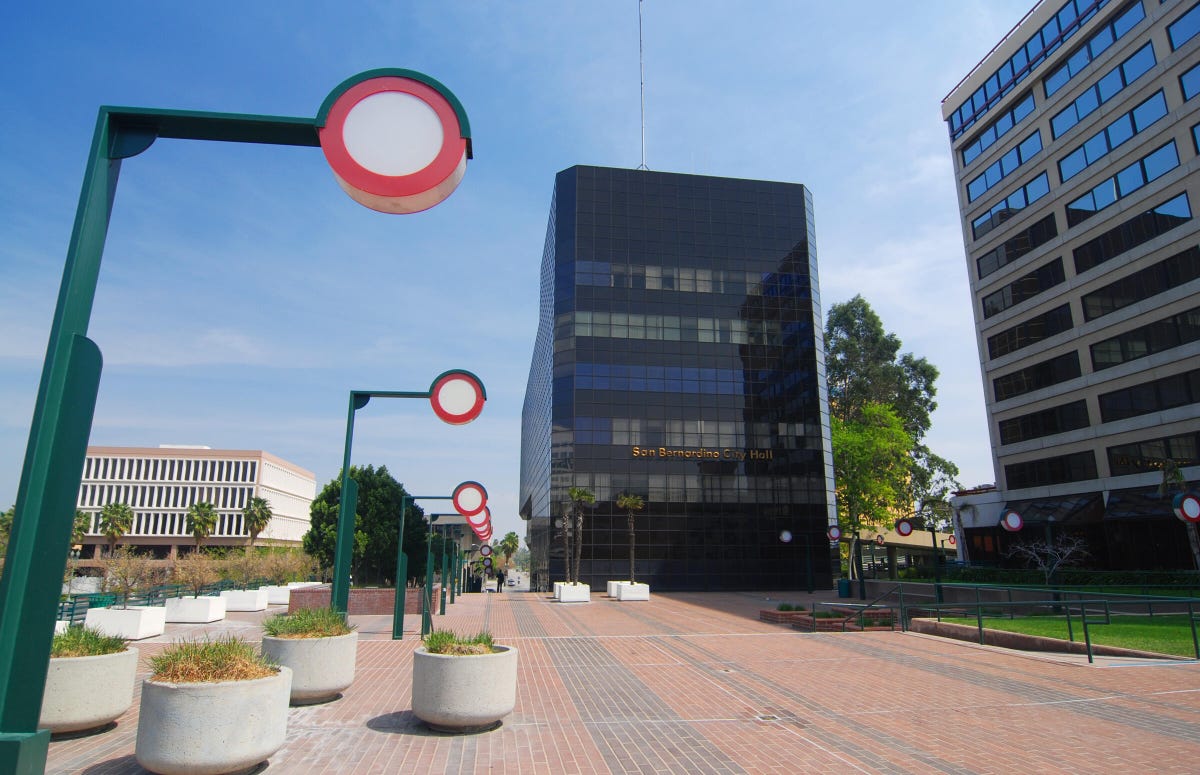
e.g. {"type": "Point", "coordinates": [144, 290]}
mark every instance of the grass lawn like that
{"type": "Point", "coordinates": [1162, 634]}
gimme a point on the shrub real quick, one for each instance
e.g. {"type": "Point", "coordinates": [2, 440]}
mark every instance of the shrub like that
{"type": "Point", "coordinates": [307, 623]}
{"type": "Point", "coordinates": [446, 642]}
{"type": "Point", "coordinates": [785, 607]}
{"type": "Point", "coordinates": [243, 569]}
{"type": "Point", "coordinates": [209, 661]}
{"type": "Point", "coordinates": [826, 615]}
{"type": "Point", "coordinates": [127, 571]}
{"type": "Point", "coordinates": [286, 565]}
{"type": "Point", "coordinates": [195, 570]}
{"type": "Point", "coordinates": [80, 641]}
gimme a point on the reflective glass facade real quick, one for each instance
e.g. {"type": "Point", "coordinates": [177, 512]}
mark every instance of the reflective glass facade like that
{"type": "Point", "coordinates": [679, 357]}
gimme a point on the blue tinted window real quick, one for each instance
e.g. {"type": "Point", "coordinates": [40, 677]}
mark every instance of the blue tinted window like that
{"type": "Point", "coordinates": [1097, 44]}
{"type": "Point", "coordinates": [1052, 35]}
{"type": "Point", "coordinates": [1185, 28]}
{"type": "Point", "coordinates": [1072, 164]}
{"type": "Point", "coordinates": [1007, 208]}
{"type": "Point", "coordinates": [1121, 129]}
{"type": "Point", "coordinates": [1108, 85]}
{"type": "Point", "coordinates": [997, 129]}
{"type": "Point", "coordinates": [1001, 168]}
{"type": "Point", "coordinates": [1189, 82]}
{"type": "Point", "coordinates": [1125, 182]}
{"type": "Point", "coordinates": [1149, 111]}
{"type": "Point", "coordinates": [1196, 137]}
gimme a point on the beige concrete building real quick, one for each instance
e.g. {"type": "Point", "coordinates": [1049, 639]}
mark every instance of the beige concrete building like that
{"type": "Point", "coordinates": [1075, 156]}
{"type": "Point", "coordinates": [160, 483]}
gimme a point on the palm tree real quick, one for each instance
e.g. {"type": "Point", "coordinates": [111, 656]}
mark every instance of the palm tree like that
{"type": "Point", "coordinates": [202, 521]}
{"type": "Point", "coordinates": [580, 498]}
{"type": "Point", "coordinates": [116, 519]}
{"type": "Point", "coordinates": [630, 503]}
{"type": "Point", "coordinates": [508, 546]}
{"type": "Point", "coordinates": [256, 516]}
{"type": "Point", "coordinates": [79, 530]}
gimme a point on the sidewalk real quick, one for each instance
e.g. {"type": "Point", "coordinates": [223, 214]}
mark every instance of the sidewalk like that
{"type": "Point", "coordinates": [694, 683]}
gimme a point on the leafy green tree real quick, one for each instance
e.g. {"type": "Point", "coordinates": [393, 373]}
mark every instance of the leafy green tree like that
{"type": "Point", "coordinates": [116, 519]}
{"type": "Point", "coordinates": [201, 521]}
{"type": "Point", "coordinates": [629, 504]}
{"type": "Point", "coordinates": [380, 498]}
{"type": "Point", "coordinates": [581, 499]}
{"type": "Point", "coordinates": [870, 463]}
{"type": "Point", "coordinates": [6, 524]}
{"type": "Point", "coordinates": [256, 516]}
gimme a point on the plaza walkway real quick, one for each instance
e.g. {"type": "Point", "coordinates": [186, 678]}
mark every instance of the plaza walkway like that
{"type": "Point", "coordinates": [694, 683]}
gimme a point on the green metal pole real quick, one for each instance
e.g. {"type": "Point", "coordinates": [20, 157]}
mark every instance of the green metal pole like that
{"type": "Point", "coordinates": [937, 567]}
{"type": "Point", "coordinates": [427, 601]}
{"type": "Point", "coordinates": [445, 576]}
{"type": "Point", "coordinates": [401, 575]}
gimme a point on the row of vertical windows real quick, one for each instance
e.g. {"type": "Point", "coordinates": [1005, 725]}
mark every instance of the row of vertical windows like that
{"type": "Point", "coordinates": [1146, 340]}
{"type": "Point", "coordinates": [167, 523]}
{"type": "Point", "coordinates": [1145, 170]}
{"type": "Point", "coordinates": [1185, 28]}
{"type": "Point", "coordinates": [1058, 369]}
{"type": "Point", "coordinates": [1024, 288]}
{"type": "Point", "coordinates": [1047, 422]}
{"type": "Point", "coordinates": [1103, 90]}
{"type": "Point", "coordinates": [628, 431]}
{"type": "Point", "coordinates": [1016, 246]}
{"type": "Point", "coordinates": [695, 488]}
{"type": "Point", "coordinates": [1011, 205]}
{"type": "Point", "coordinates": [156, 496]}
{"type": "Point", "coordinates": [1000, 169]}
{"type": "Point", "coordinates": [1166, 274]}
{"type": "Point", "coordinates": [605, 274]}
{"type": "Point", "coordinates": [1030, 331]}
{"type": "Point", "coordinates": [1148, 397]}
{"type": "Point", "coordinates": [1143, 456]}
{"type": "Point", "coordinates": [1041, 44]}
{"type": "Point", "coordinates": [1189, 83]}
{"type": "Point", "coordinates": [171, 470]}
{"type": "Point", "coordinates": [998, 128]}
{"type": "Point", "coordinates": [1076, 467]}
{"type": "Point", "coordinates": [1100, 144]}
{"type": "Point", "coordinates": [1139, 229]}
{"type": "Point", "coordinates": [1096, 45]}
{"type": "Point", "coordinates": [675, 328]}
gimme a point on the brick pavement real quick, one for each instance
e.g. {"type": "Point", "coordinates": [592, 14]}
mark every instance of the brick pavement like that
{"type": "Point", "coordinates": [694, 683]}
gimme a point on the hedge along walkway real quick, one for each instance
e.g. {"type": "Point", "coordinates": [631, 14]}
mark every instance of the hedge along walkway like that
{"type": "Point", "coordinates": [694, 683]}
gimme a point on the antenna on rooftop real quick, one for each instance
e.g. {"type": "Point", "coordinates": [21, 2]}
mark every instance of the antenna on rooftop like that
{"type": "Point", "coordinates": [642, 75]}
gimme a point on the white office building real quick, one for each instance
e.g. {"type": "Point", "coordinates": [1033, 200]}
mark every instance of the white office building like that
{"type": "Point", "coordinates": [160, 483]}
{"type": "Point", "coordinates": [1075, 156]}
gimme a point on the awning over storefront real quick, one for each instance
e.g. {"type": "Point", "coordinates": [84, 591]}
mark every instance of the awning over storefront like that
{"type": "Point", "coordinates": [1141, 503]}
{"type": "Point", "coordinates": [1083, 508]}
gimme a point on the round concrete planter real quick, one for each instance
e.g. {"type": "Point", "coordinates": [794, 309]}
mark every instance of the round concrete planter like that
{"type": "Point", "coordinates": [464, 693]}
{"type": "Point", "coordinates": [211, 728]}
{"type": "Point", "coordinates": [88, 692]}
{"type": "Point", "coordinates": [321, 667]}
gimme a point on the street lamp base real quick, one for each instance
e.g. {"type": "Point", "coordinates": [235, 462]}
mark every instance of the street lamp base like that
{"type": "Point", "coordinates": [24, 753]}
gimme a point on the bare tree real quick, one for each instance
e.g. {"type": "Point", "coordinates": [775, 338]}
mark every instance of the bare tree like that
{"type": "Point", "coordinates": [1049, 556]}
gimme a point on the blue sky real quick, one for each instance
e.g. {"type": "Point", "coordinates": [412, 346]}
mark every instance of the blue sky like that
{"type": "Point", "coordinates": [243, 294]}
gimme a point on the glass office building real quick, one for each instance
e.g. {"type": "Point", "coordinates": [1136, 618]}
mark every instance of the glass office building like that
{"type": "Point", "coordinates": [679, 357]}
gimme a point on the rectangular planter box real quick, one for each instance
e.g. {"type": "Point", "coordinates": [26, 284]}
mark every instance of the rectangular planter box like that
{"type": "Point", "coordinates": [558, 585]}
{"type": "Point", "coordinates": [631, 591]}
{"type": "Point", "coordinates": [612, 587]}
{"type": "Point", "coordinates": [775, 616]}
{"type": "Point", "coordinates": [245, 599]}
{"type": "Point", "coordinates": [132, 623]}
{"type": "Point", "coordinates": [277, 595]}
{"type": "Point", "coordinates": [195, 610]}
{"type": "Point", "coordinates": [575, 593]}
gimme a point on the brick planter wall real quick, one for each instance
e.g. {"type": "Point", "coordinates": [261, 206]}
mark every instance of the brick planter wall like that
{"type": "Point", "coordinates": [778, 617]}
{"type": "Point", "coordinates": [377, 601]}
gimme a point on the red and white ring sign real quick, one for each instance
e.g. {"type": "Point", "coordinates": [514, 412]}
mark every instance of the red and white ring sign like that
{"type": "Point", "coordinates": [397, 140]}
{"type": "Point", "coordinates": [457, 397]}
{"type": "Point", "coordinates": [1011, 521]}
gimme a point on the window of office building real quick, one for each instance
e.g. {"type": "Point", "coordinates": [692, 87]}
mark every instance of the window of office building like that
{"type": "Point", "coordinates": [1100, 144]}
{"type": "Point", "coordinates": [1002, 167]}
{"type": "Point", "coordinates": [1043, 42]}
{"type": "Point", "coordinates": [1011, 205]}
{"type": "Point", "coordinates": [1143, 456]}
{"type": "Point", "coordinates": [1024, 288]}
{"type": "Point", "coordinates": [1030, 378]}
{"type": "Point", "coordinates": [1169, 273]}
{"type": "Point", "coordinates": [1142, 228]}
{"type": "Point", "coordinates": [1017, 246]}
{"type": "Point", "coordinates": [1149, 168]}
{"type": "Point", "coordinates": [1146, 340]}
{"type": "Point", "coordinates": [1076, 467]}
{"type": "Point", "coordinates": [1109, 85]}
{"type": "Point", "coordinates": [1046, 422]}
{"type": "Point", "coordinates": [1097, 44]}
{"type": "Point", "coordinates": [1185, 28]}
{"type": "Point", "coordinates": [1030, 331]}
{"type": "Point", "coordinates": [1189, 83]}
{"type": "Point", "coordinates": [998, 128]}
{"type": "Point", "coordinates": [1149, 397]}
